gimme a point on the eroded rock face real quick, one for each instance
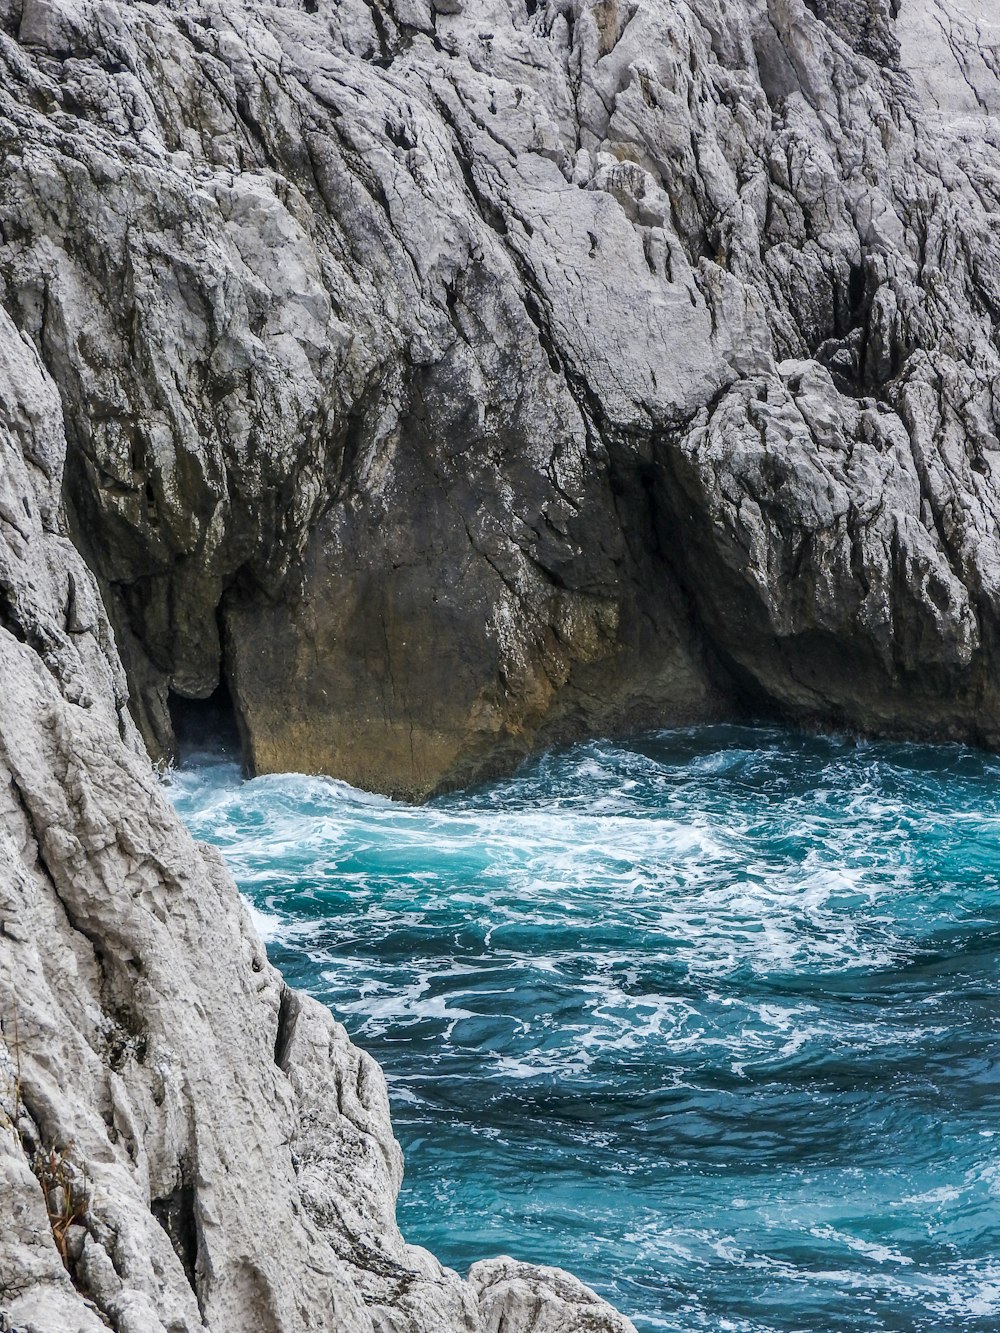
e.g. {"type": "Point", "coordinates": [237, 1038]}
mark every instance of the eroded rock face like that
{"type": "Point", "coordinates": [410, 356]}
{"type": "Point", "coordinates": [185, 1143]}
{"type": "Point", "coordinates": [450, 378]}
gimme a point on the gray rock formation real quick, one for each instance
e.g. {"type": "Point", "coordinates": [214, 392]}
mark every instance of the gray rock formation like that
{"type": "Point", "coordinates": [185, 1143]}
{"type": "Point", "coordinates": [455, 378]}
{"type": "Point", "coordinates": [446, 378]}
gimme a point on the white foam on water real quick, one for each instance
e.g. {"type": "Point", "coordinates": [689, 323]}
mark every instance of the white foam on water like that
{"type": "Point", "coordinates": [681, 925]}
{"type": "Point", "coordinates": [778, 917]}
{"type": "Point", "coordinates": [268, 925]}
{"type": "Point", "coordinates": [881, 1254]}
{"type": "Point", "coordinates": [942, 1194]}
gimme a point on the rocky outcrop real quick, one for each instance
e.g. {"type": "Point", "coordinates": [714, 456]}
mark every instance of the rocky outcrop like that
{"type": "Point", "coordinates": [451, 378]}
{"type": "Point", "coordinates": [185, 1143]}
{"type": "Point", "coordinates": [444, 378]}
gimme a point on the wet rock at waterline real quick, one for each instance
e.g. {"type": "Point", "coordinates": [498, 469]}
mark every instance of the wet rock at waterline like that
{"type": "Point", "coordinates": [453, 379]}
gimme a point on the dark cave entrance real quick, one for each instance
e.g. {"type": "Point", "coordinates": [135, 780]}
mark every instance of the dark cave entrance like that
{"type": "Point", "coordinates": [206, 727]}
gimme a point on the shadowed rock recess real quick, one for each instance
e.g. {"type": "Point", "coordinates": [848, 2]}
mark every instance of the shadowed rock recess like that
{"type": "Point", "coordinates": [434, 381]}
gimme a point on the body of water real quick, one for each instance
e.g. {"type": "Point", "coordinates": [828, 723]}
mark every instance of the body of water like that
{"type": "Point", "coordinates": [711, 1019]}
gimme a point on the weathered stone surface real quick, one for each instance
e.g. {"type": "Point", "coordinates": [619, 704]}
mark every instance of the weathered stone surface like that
{"type": "Point", "coordinates": [388, 339]}
{"type": "Point", "coordinates": [952, 53]}
{"type": "Point", "coordinates": [184, 1142]}
{"type": "Point", "coordinates": [513, 1301]}
{"type": "Point", "coordinates": [450, 378]}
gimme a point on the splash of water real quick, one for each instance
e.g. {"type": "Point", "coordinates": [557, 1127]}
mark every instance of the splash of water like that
{"type": "Point", "coordinates": [710, 1019]}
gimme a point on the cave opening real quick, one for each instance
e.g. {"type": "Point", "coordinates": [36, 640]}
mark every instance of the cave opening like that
{"type": "Point", "coordinates": [206, 726]}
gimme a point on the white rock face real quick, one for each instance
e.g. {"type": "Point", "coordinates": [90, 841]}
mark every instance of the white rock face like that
{"type": "Point", "coordinates": [951, 50]}
{"type": "Point", "coordinates": [450, 378]}
{"type": "Point", "coordinates": [184, 1142]}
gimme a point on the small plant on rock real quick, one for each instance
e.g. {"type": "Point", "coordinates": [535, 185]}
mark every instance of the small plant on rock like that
{"type": "Point", "coordinates": [66, 1187]}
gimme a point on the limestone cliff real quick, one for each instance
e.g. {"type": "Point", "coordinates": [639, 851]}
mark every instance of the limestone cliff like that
{"type": "Point", "coordinates": [446, 378]}
{"type": "Point", "coordinates": [455, 377]}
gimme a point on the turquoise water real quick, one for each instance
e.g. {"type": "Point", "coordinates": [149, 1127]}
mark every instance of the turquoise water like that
{"type": "Point", "coordinates": [711, 1019]}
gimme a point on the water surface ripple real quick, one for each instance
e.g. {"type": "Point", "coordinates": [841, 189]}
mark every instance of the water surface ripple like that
{"type": "Point", "coordinates": [709, 1018]}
